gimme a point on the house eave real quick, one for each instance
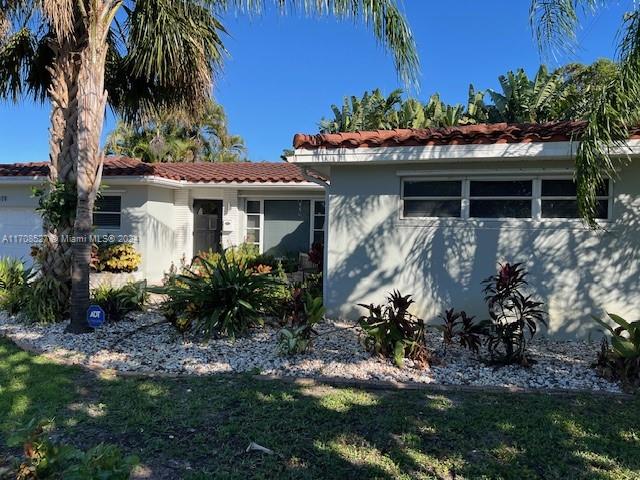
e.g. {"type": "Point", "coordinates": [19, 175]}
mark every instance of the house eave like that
{"type": "Point", "coordinates": [450, 153]}
{"type": "Point", "coordinates": [173, 184]}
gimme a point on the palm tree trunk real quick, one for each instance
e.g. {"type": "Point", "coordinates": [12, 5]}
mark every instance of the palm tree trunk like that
{"type": "Point", "coordinates": [55, 254]}
{"type": "Point", "coordinates": [92, 100]}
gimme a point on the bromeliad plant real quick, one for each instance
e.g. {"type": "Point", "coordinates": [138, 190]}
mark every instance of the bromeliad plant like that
{"type": "Point", "coordinates": [620, 360]}
{"type": "Point", "coordinates": [391, 331]}
{"type": "Point", "coordinates": [118, 302]}
{"type": "Point", "coordinates": [512, 315]}
{"type": "Point", "coordinates": [308, 312]}
{"type": "Point", "coordinates": [227, 298]}
{"type": "Point", "coordinates": [13, 281]}
{"type": "Point", "coordinates": [460, 326]}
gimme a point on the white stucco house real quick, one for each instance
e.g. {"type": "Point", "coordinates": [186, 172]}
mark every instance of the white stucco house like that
{"type": "Point", "coordinates": [429, 212]}
{"type": "Point", "coordinates": [173, 211]}
{"type": "Point", "coordinates": [432, 212]}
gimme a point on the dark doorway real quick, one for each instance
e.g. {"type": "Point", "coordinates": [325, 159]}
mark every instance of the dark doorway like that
{"type": "Point", "coordinates": [207, 225]}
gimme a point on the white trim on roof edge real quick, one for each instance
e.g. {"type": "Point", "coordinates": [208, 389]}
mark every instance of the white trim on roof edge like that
{"type": "Point", "coordinates": [461, 153]}
{"type": "Point", "coordinates": [169, 183]}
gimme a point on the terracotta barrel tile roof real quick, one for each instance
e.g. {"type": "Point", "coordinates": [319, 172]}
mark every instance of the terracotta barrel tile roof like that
{"type": "Point", "coordinates": [462, 135]}
{"type": "Point", "coordinates": [36, 169]}
{"type": "Point", "coordinates": [241, 172]}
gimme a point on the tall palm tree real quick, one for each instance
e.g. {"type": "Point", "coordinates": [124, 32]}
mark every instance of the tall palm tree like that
{"type": "Point", "coordinates": [612, 104]}
{"type": "Point", "coordinates": [166, 53]}
{"type": "Point", "coordinates": [179, 137]}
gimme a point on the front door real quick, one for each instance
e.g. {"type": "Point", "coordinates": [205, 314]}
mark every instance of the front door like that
{"type": "Point", "coordinates": [207, 225]}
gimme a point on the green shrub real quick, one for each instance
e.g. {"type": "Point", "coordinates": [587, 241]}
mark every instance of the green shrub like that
{"type": "Point", "coordinates": [13, 280]}
{"type": "Point", "coordinates": [40, 301]}
{"type": "Point", "coordinates": [223, 298]}
{"type": "Point", "coordinates": [246, 254]}
{"type": "Point", "coordinates": [298, 338]}
{"type": "Point", "coordinates": [313, 284]}
{"type": "Point", "coordinates": [621, 359]}
{"type": "Point", "coordinates": [460, 326]}
{"type": "Point", "coordinates": [391, 331]}
{"type": "Point", "coordinates": [512, 315]}
{"type": "Point", "coordinates": [46, 459]}
{"type": "Point", "coordinates": [57, 203]}
{"type": "Point", "coordinates": [118, 302]}
{"type": "Point", "coordinates": [118, 258]}
{"type": "Point", "coordinates": [280, 298]}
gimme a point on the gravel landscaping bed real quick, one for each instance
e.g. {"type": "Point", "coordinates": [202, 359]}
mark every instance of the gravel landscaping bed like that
{"type": "Point", "coordinates": [336, 353]}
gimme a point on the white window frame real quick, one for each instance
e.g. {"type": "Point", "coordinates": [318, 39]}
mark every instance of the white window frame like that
{"type": "Point", "coordinates": [101, 227]}
{"type": "Point", "coordinates": [260, 216]}
{"type": "Point", "coordinates": [311, 201]}
{"type": "Point", "coordinates": [313, 215]}
{"type": "Point", "coordinates": [608, 198]}
{"type": "Point", "coordinates": [432, 179]}
{"type": "Point", "coordinates": [466, 179]}
{"type": "Point", "coordinates": [531, 198]}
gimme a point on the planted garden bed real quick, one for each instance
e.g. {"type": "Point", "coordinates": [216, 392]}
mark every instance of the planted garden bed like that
{"type": "Point", "coordinates": [337, 352]}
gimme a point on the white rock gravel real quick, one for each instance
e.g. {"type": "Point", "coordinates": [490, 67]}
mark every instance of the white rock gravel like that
{"type": "Point", "coordinates": [336, 353]}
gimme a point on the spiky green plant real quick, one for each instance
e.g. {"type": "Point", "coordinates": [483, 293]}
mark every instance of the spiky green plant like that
{"type": "Point", "coordinates": [620, 360]}
{"type": "Point", "coordinates": [226, 298]}
{"type": "Point", "coordinates": [13, 281]}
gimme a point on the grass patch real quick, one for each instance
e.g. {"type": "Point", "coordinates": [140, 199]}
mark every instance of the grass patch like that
{"type": "Point", "coordinates": [200, 427]}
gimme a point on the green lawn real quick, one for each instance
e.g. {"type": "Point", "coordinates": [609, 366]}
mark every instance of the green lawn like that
{"type": "Point", "coordinates": [200, 427]}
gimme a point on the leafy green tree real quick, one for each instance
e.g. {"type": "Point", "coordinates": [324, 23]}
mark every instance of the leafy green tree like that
{"type": "Point", "coordinates": [179, 137]}
{"type": "Point", "coordinates": [374, 111]}
{"type": "Point", "coordinates": [143, 56]}
{"type": "Point", "coordinates": [528, 101]}
{"type": "Point", "coordinates": [611, 104]}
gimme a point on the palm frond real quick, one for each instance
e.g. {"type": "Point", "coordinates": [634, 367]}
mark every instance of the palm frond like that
{"type": "Point", "coordinates": [554, 22]}
{"type": "Point", "coordinates": [384, 17]}
{"type": "Point", "coordinates": [174, 50]}
{"type": "Point", "coordinates": [613, 111]}
{"type": "Point", "coordinates": [60, 15]}
{"type": "Point", "coordinates": [16, 54]}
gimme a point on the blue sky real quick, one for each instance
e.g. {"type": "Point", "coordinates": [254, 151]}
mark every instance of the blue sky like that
{"type": "Point", "coordinates": [283, 73]}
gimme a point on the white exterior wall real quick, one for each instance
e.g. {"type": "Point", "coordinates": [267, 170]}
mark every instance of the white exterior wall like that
{"type": "Point", "coordinates": [183, 226]}
{"type": "Point", "coordinates": [574, 270]}
{"type": "Point", "coordinates": [231, 225]}
{"type": "Point", "coordinates": [20, 224]}
{"type": "Point", "coordinates": [158, 234]}
{"type": "Point", "coordinates": [158, 219]}
{"type": "Point", "coordinates": [149, 216]}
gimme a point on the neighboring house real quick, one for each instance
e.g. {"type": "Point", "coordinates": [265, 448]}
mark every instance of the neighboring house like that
{"type": "Point", "coordinates": [432, 212]}
{"type": "Point", "coordinates": [172, 211]}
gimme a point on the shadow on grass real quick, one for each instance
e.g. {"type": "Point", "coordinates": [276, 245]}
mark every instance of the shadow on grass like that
{"type": "Point", "coordinates": [200, 427]}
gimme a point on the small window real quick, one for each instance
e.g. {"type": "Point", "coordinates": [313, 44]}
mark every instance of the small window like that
{"type": "Point", "coordinates": [254, 222]}
{"type": "Point", "coordinates": [500, 198]}
{"type": "Point", "coordinates": [432, 198]}
{"type": "Point", "coordinates": [318, 221]}
{"type": "Point", "coordinates": [107, 212]}
{"type": "Point", "coordinates": [559, 199]}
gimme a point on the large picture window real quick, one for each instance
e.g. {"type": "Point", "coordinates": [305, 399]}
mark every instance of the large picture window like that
{"type": "Point", "coordinates": [107, 212]}
{"type": "Point", "coordinates": [503, 198]}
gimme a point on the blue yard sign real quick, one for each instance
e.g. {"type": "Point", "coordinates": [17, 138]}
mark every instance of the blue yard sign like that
{"type": "Point", "coordinates": [95, 316]}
